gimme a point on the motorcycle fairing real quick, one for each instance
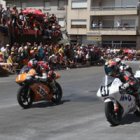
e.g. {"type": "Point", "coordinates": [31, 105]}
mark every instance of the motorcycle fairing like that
{"type": "Point", "coordinates": [111, 92]}
{"type": "Point", "coordinates": [41, 91]}
{"type": "Point", "coordinates": [137, 74]}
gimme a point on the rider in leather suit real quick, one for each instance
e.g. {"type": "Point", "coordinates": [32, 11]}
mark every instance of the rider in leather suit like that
{"type": "Point", "coordinates": [44, 73]}
{"type": "Point", "coordinates": [123, 66]}
{"type": "Point", "coordinates": [129, 81]}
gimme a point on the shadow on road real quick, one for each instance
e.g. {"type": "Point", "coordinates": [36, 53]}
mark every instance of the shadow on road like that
{"type": "Point", "coordinates": [130, 118]}
{"type": "Point", "coordinates": [44, 104]}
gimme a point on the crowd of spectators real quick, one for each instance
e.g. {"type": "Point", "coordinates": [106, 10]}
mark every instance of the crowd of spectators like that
{"type": "Point", "coordinates": [19, 20]}
{"type": "Point", "coordinates": [126, 54]}
{"type": "Point", "coordinates": [58, 55]}
{"type": "Point", "coordinates": [61, 56]}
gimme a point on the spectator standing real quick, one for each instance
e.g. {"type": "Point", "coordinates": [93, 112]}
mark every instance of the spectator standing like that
{"type": "Point", "coordinates": [4, 52]}
{"type": "Point", "coordinates": [14, 15]}
{"type": "Point", "coordinates": [1, 12]}
{"type": "Point", "coordinates": [1, 57]}
{"type": "Point", "coordinates": [118, 24]}
{"type": "Point", "coordinates": [4, 16]}
{"type": "Point", "coordinates": [41, 52]}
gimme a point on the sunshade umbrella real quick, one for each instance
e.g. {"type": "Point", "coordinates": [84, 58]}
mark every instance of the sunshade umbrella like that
{"type": "Point", "coordinates": [33, 11]}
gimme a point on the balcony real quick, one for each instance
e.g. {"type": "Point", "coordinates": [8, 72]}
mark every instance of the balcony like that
{"type": "Point", "coordinates": [61, 8]}
{"type": "Point", "coordinates": [113, 31]}
{"type": "Point", "coordinates": [114, 10]}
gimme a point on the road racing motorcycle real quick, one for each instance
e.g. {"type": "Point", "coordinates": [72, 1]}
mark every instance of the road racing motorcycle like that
{"type": "Point", "coordinates": [32, 90]}
{"type": "Point", "coordinates": [118, 103]}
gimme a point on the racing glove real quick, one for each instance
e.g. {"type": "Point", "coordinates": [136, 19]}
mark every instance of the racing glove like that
{"type": "Point", "coordinates": [125, 86]}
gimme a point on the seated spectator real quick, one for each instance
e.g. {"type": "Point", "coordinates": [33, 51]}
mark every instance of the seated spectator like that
{"type": "Point", "coordinates": [1, 57]}
{"type": "Point", "coordinates": [10, 58]}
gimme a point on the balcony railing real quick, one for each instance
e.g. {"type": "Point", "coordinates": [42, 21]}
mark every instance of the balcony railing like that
{"type": "Point", "coordinates": [114, 28]}
{"type": "Point", "coordinates": [102, 8]}
{"type": "Point", "coordinates": [113, 31]}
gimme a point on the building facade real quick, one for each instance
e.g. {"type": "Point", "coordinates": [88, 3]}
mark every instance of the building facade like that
{"type": "Point", "coordinates": [112, 23]}
{"type": "Point", "coordinates": [108, 22]}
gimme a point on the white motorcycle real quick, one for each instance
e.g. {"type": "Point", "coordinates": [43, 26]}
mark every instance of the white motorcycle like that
{"type": "Point", "coordinates": [118, 102]}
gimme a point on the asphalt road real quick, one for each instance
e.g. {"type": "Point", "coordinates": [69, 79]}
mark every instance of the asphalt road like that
{"type": "Point", "coordinates": [80, 116]}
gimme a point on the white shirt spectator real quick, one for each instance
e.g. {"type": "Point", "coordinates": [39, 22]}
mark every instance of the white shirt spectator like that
{"type": "Point", "coordinates": [118, 24]}
{"type": "Point", "coordinates": [3, 49]}
{"type": "Point", "coordinates": [53, 58]}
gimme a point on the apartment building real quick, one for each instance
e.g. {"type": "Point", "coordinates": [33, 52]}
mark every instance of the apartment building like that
{"type": "Point", "coordinates": [108, 22]}
{"type": "Point", "coordinates": [57, 7]}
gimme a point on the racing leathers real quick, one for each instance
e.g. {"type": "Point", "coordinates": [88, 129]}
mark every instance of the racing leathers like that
{"type": "Point", "coordinates": [45, 74]}
{"type": "Point", "coordinates": [122, 66]}
{"type": "Point", "coordinates": [128, 80]}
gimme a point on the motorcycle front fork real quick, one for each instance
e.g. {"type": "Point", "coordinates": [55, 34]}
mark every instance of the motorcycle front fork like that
{"type": "Point", "coordinates": [53, 86]}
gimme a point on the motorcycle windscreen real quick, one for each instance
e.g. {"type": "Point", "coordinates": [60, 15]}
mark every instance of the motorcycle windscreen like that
{"type": "Point", "coordinates": [32, 72]}
{"type": "Point", "coordinates": [107, 80]}
{"type": "Point", "coordinates": [24, 69]}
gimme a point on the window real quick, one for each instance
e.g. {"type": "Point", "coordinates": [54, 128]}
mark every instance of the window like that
{"type": "Point", "coordinates": [61, 22]}
{"type": "Point", "coordinates": [24, 5]}
{"type": "Point", "coordinates": [128, 23]}
{"type": "Point", "coordinates": [61, 5]}
{"type": "Point", "coordinates": [47, 5]}
{"type": "Point", "coordinates": [10, 3]}
{"type": "Point", "coordinates": [32, 4]}
{"type": "Point", "coordinates": [81, 23]}
{"type": "Point", "coordinates": [129, 44]}
{"type": "Point", "coordinates": [79, 4]}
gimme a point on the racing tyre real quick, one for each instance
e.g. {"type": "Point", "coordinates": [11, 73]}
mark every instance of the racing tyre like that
{"type": "Point", "coordinates": [58, 94]}
{"type": "Point", "coordinates": [114, 118]}
{"type": "Point", "coordinates": [25, 97]}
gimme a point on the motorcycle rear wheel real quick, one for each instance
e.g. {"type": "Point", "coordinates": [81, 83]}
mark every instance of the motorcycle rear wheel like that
{"type": "Point", "coordinates": [112, 117]}
{"type": "Point", "coordinates": [58, 94]}
{"type": "Point", "coordinates": [25, 97]}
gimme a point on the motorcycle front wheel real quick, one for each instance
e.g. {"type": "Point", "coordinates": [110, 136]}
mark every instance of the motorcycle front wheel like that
{"type": "Point", "coordinates": [137, 112]}
{"type": "Point", "coordinates": [114, 118]}
{"type": "Point", "coordinates": [25, 97]}
{"type": "Point", "coordinates": [58, 94]}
